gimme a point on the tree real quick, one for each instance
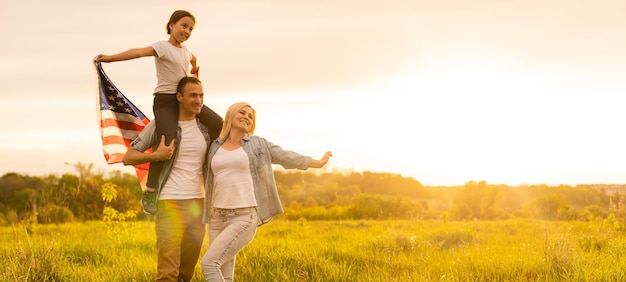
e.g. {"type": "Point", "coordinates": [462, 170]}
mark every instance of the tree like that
{"type": "Point", "coordinates": [476, 200]}
{"type": "Point", "coordinates": [51, 213]}
{"type": "Point", "coordinates": [367, 206]}
{"type": "Point", "coordinates": [549, 206]}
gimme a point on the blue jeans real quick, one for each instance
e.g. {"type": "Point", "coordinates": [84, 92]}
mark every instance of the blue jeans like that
{"type": "Point", "coordinates": [229, 232]}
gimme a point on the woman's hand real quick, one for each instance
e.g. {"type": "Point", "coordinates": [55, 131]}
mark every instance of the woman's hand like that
{"type": "Point", "coordinates": [321, 162]}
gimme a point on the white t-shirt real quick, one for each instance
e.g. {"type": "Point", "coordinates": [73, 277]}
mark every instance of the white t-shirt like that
{"type": "Point", "coordinates": [186, 179]}
{"type": "Point", "coordinates": [172, 64]}
{"type": "Point", "coordinates": [233, 187]}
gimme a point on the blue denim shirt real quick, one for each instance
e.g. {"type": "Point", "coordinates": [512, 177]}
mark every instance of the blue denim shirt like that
{"type": "Point", "coordinates": [262, 154]}
{"type": "Point", "coordinates": [148, 139]}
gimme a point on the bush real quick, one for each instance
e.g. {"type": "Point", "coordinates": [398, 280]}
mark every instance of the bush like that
{"type": "Point", "coordinates": [52, 213]}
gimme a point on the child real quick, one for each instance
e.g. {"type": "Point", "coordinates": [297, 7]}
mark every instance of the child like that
{"type": "Point", "coordinates": [172, 60]}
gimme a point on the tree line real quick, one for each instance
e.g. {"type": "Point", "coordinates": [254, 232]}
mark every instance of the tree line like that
{"type": "Point", "coordinates": [320, 196]}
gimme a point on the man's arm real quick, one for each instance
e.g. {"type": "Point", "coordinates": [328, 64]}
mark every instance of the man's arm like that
{"type": "Point", "coordinates": [162, 153]}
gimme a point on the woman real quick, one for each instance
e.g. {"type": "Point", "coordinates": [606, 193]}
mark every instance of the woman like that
{"type": "Point", "coordinates": [241, 192]}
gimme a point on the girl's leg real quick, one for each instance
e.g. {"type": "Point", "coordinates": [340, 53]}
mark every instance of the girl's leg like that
{"type": "Point", "coordinates": [165, 109]}
{"type": "Point", "coordinates": [229, 232]}
{"type": "Point", "coordinates": [212, 120]}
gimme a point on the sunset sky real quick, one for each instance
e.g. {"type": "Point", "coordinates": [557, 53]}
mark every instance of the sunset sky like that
{"type": "Point", "coordinates": [442, 91]}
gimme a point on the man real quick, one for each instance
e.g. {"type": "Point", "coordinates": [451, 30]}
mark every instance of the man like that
{"type": "Point", "coordinates": [180, 195]}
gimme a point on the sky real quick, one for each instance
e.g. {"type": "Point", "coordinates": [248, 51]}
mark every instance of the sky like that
{"type": "Point", "coordinates": [509, 92]}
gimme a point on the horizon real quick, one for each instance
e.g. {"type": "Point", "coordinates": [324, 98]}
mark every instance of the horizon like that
{"type": "Point", "coordinates": [131, 171]}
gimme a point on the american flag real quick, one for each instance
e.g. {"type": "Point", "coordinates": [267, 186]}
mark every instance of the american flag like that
{"type": "Point", "coordinates": [120, 123]}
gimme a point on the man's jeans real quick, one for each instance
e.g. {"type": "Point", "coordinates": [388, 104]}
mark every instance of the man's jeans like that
{"type": "Point", "coordinates": [180, 233]}
{"type": "Point", "coordinates": [229, 232]}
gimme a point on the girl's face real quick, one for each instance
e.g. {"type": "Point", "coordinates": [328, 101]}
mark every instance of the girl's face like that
{"type": "Point", "coordinates": [243, 119]}
{"type": "Point", "coordinates": [181, 30]}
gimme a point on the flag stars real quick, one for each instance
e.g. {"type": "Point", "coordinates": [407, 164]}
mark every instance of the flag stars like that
{"type": "Point", "coordinates": [113, 100]}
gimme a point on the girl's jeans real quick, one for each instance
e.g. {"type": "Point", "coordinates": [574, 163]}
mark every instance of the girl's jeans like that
{"type": "Point", "coordinates": [229, 232]}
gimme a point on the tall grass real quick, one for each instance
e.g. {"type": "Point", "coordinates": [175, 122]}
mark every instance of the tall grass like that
{"type": "Point", "coordinates": [516, 250]}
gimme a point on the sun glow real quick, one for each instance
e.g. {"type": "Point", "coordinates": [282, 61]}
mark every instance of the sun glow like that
{"type": "Point", "coordinates": [466, 120]}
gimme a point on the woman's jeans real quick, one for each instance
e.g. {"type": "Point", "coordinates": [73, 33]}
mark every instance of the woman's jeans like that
{"type": "Point", "coordinates": [229, 232]}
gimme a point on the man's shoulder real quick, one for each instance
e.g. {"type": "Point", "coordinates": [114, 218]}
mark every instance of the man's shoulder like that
{"type": "Point", "coordinates": [150, 127]}
{"type": "Point", "coordinates": [202, 127]}
{"type": "Point", "coordinates": [146, 135]}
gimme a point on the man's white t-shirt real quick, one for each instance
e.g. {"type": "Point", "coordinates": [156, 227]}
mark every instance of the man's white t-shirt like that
{"type": "Point", "coordinates": [186, 179]}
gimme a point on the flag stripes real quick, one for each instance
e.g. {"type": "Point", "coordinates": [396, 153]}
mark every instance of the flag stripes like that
{"type": "Point", "coordinates": [119, 121]}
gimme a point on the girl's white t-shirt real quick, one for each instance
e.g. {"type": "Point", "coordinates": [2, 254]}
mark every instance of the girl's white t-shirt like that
{"type": "Point", "coordinates": [172, 64]}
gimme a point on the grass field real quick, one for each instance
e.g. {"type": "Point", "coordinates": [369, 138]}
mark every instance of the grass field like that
{"type": "Point", "coordinates": [516, 250]}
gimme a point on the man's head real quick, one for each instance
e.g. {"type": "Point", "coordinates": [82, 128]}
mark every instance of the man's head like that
{"type": "Point", "coordinates": [190, 97]}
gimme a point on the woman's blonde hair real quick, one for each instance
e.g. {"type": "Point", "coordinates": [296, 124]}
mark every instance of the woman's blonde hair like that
{"type": "Point", "coordinates": [231, 112]}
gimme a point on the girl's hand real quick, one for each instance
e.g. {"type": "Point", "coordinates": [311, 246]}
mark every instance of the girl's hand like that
{"type": "Point", "coordinates": [101, 58]}
{"type": "Point", "coordinates": [195, 70]}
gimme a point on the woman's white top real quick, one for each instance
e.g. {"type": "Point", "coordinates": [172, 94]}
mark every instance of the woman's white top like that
{"type": "Point", "coordinates": [233, 182]}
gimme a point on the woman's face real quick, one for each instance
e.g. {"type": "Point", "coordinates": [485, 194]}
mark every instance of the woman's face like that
{"type": "Point", "coordinates": [243, 119]}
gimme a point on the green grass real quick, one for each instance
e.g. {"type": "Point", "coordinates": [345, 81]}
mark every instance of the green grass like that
{"type": "Point", "coordinates": [516, 250]}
